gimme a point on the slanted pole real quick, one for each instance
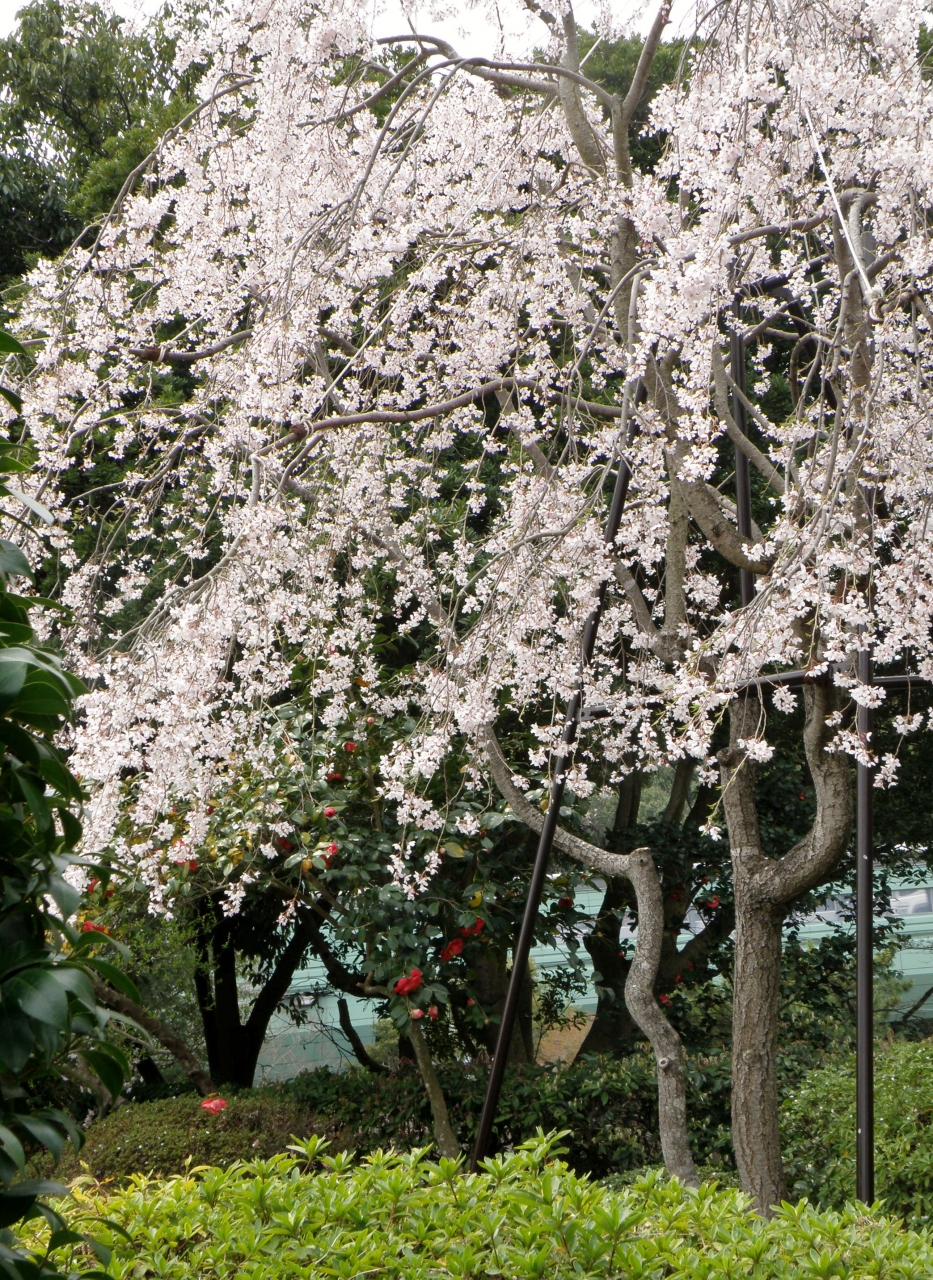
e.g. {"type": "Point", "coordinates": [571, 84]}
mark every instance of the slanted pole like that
{"type": "Point", "coordinates": [864, 958]}
{"type": "Point", "coordinates": [546, 841]}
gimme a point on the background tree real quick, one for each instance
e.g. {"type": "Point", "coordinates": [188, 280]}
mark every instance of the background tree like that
{"type": "Point", "coordinates": [85, 97]}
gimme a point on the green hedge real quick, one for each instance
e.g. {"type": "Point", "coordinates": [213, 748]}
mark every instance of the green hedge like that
{"type": "Point", "coordinates": [399, 1217]}
{"type": "Point", "coordinates": [818, 1122]}
{"type": "Point", "coordinates": [609, 1107]}
{"type": "Point", "coordinates": [162, 1137]}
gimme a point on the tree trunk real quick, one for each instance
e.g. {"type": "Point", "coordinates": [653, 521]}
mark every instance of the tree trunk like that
{"type": "Point", "coordinates": [639, 868]}
{"type": "Point", "coordinates": [491, 985]}
{"type": "Point", "coordinates": [639, 996]}
{"type": "Point", "coordinates": [755, 1024]}
{"type": "Point", "coordinates": [764, 888]}
{"type": "Point", "coordinates": [447, 1143]}
{"type": "Point", "coordinates": [612, 1030]}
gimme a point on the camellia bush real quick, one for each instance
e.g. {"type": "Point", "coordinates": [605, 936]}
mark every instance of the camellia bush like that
{"type": "Point", "coordinates": [523, 1216]}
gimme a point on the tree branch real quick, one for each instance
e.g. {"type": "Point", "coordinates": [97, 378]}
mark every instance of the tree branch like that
{"type": "Point", "coordinates": [120, 1003]}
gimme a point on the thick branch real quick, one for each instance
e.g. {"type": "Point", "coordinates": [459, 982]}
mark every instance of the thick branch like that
{"type": "Point", "coordinates": [356, 1044]}
{"type": "Point", "coordinates": [444, 1136]}
{"type": "Point", "coordinates": [279, 981]}
{"type": "Point", "coordinates": [120, 1003]}
{"type": "Point", "coordinates": [638, 867]}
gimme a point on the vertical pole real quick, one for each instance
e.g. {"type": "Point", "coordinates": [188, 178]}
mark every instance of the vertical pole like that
{"type": "Point", "coordinates": [743, 491]}
{"type": "Point", "coordinates": [545, 842]}
{"type": "Point", "coordinates": [864, 958]}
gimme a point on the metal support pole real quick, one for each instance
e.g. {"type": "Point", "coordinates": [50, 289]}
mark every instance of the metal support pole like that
{"type": "Point", "coordinates": [743, 489]}
{"type": "Point", "coordinates": [864, 958]}
{"type": "Point", "coordinates": [545, 842]}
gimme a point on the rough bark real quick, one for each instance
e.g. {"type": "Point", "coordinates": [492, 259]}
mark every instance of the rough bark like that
{"type": "Point", "coordinates": [764, 889]}
{"type": "Point", "coordinates": [447, 1143]}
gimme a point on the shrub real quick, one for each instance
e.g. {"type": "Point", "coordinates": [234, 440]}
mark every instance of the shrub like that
{"type": "Point", "coordinates": [819, 1131]}
{"type": "Point", "coordinates": [607, 1108]}
{"type": "Point", "coordinates": [162, 1137]}
{"type": "Point", "coordinates": [526, 1216]}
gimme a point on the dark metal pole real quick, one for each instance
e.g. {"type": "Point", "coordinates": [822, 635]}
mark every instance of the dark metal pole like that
{"type": "Point", "coordinates": [545, 842]}
{"type": "Point", "coordinates": [743, 490]}
{"type": "Point", "coordinates": [864, 959]}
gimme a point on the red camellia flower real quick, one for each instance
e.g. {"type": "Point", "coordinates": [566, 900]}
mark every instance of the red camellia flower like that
{"type": "Point", "coordinates": [405, 986]}
{"type": "Point", "coordinates": [192, 864]}
{"type": "Point", "coordinates": [471, 1000]}
{"type": "Point", "coordinates": [87, 927]}
{"type": "Point", "coordinates": [332, 847]}
{"type": "Point", "coordinates": [453, 948]}
{"type": "Point", "coordinates": [334, 777]}
{"type": "Point", "coordinates": [713, 902]}
{"type": "Point", "coordinates": [93, 885]}
{"type": "Point", "coordinates": [349, 746]}
{"type": "Point", "coordinates": [284, 844]}
{"type": "Point", "coordinates": [477, 927]}
{"type": "Point", "coordinates": [432, 1011]}
{"type": "Point", "coordinates": [330, 812]}
{"type": "Point", "coordinates": [665, 999]}
{"type": "Point", "coordinates": [214, 1106]}
{"type": "Point", "coordinates": [417, 1013]}
{"type": "Point", "coordinates": [565, 902]}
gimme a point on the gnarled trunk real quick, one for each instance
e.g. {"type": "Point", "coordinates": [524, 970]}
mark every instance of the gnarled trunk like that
{"type": "Point", "coordinates": [755, 1025]}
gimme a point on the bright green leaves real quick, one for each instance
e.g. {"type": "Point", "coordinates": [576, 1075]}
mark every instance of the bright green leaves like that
{"type": "Point", "coordinates": [525, 1217]}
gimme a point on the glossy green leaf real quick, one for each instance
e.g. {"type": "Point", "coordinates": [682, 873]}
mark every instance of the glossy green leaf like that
{"type": "Point", "coordinates": [12, 560]}
{"type": "Point", "coordinates": [103, 1065]}
{"type": "Point", "coordinates": [9, 345]}
{"type": "Point", "coordinates": [37, 508]}
{"type": "Point", "coordinates": [44, 1131]}
{"type": "Point", "coordinates": [11, 397]}
{"type": "Point", "coordinates": [16, 1039]}
{"type": "Point", "coordinates": [116, 977]}
{"type": "Point", "coordinates": [37, 993]}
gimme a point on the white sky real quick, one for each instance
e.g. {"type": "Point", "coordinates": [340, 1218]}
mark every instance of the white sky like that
{"type": "Point", "coordinates": [473, 31]}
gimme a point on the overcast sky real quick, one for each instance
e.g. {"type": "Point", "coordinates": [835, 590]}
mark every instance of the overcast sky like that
{"type": "Point", "coordinates": [474, 31]}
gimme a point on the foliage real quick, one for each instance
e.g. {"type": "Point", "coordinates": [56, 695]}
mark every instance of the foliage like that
{"type": "Point", "coordinates": [86, 96]}
{"type": "Point", "coordinates": [167, 1135]}
{"type": "Point", "coordinates": [524, 1216]}
{"type": "Point", "coordinates": [50, 1023]}
{"type": "Point", "coordinates": [608, 1106]}
{"type": "Point", "coordinates": [818, 1122]}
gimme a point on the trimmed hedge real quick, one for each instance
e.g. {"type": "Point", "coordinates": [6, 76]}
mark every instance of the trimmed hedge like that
{"type": "Point", "coordinates": [525, 1216]}
{"type": "Point", "coordinates": [818, 1123]}
{"type": "Point", "coordinates": [164, 1137]}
